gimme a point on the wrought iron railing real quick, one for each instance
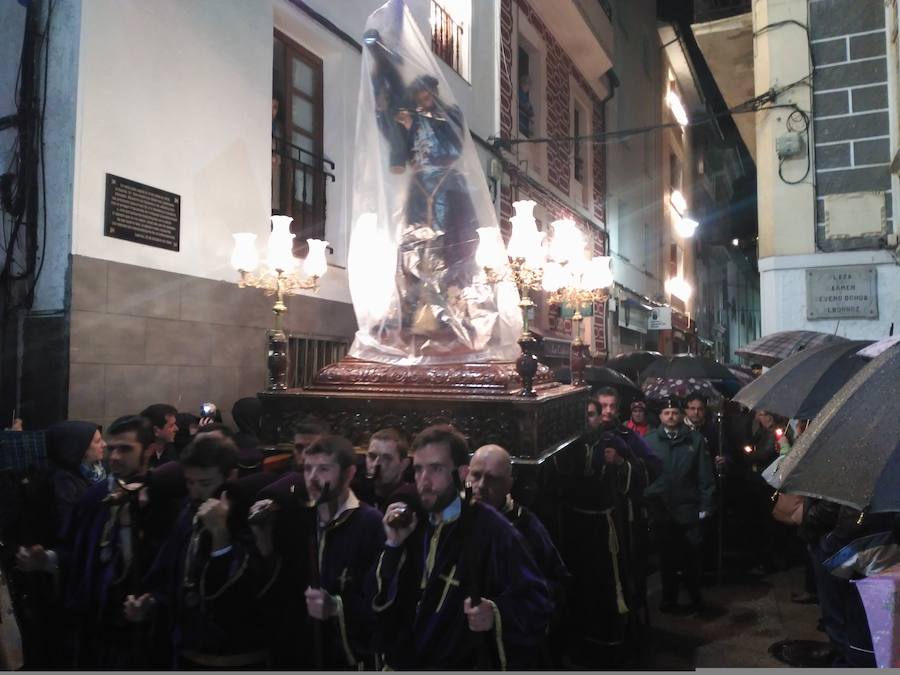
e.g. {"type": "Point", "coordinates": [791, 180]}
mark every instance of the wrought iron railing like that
{"type": "Point", "coordinates": [308, 355]}
{"type": "Point", "coordinates": [447, 37]}
{"type": "Point", "coordinates": [299, 178]}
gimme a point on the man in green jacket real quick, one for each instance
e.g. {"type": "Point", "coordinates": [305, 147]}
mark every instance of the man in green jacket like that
{"type": "Point", "coordinates": [678, 500]}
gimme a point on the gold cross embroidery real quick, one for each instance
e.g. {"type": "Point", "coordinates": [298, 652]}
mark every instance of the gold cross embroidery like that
{"type": "Point", "coordinates": [345, 578]}
{"type": "Point", "coordinates": [449, 580]}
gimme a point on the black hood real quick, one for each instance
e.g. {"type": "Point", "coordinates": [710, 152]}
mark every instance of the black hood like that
{"type": "Point", "coordinates": [247, 413]}
{"type": "Point", "coordinates": [68, 441]}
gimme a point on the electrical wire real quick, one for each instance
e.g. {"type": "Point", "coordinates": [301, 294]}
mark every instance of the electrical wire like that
{"type": "Point", "coordinates": [43, 248]}
{"type": "Point", "coordinates": [763, 102]}
{"type": "Point", "coordinates": [795, 127]}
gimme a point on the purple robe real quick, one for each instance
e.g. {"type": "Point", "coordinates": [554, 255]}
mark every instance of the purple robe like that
{"type": "Point", "coordinates": [420, 617]}
{"type": "Point", "coordinates": [97, 578]}
{"type": "Point", "coordinates": [210, 608]}
{"type": "Point", "coordinates": [348, 547]}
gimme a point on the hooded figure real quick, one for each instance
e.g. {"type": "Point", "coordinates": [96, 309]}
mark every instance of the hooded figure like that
{"type": "Point", "coordinates": [71, 476]}
{"type": "Point", "coordinates": [247, 415]}
{"type": "Point", "coordinates": [187, 427]}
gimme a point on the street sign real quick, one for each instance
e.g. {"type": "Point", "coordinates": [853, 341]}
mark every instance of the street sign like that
{"type": "Point", "coordinates": [660, 319]}
{"type": "Point", "coordinates": [842, 293]}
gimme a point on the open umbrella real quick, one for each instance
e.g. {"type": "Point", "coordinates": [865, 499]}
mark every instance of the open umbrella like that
{"type": "Point", "coordinates": [633, 363]}
{"type": "Point", "coordinates": [801, 385]}
{"type": "Point", "coordinates": [659, 388]}
{"type": "Point", "coordinates": [683, 366]}
{"type": "Point", "coordinates": [848, 445]}
{"type": "Point", "coordinates": [774, 347]}
{"type": "Point", "coordinates": [742, 374]}
{"type": "Point", "coordinates": [886, 496]}
{"type": "Point", "coordinates": [607, 377]}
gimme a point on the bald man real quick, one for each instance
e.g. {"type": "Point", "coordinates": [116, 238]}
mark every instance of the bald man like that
{"type": "Point", "coordinates": [490, 477]}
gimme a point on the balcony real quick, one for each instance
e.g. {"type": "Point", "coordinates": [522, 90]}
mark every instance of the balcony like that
{"type": "Point", "coordinates": [713, 10]}
{"type": "Point", "coordinates": [299, 180]}
{"type": "Point", "coordinates": [727, 46]}
{"type": "Point", "coordinates": [448, 39]}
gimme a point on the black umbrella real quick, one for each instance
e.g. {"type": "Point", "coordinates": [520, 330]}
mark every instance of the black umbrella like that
{"type": "Point", "coordinates": [802, 384]}
{"type": "Point", "coordinates": [633, 363]}
{"type": "Point", "coordinates": [606, 377]}
{"type": "Point", "coordinates": [683, 366]}
{"type": "Point", "coordinates": [843, 453]}
{"type": "Point", "coordinates": [886, 496]}
{"type": "Point", "coordinates": [770, 349]}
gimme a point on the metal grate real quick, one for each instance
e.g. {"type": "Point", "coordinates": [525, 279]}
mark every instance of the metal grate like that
{"type": "Point", "coordinates": [446, 37]}
{"type": "Point", "coordinates": [308, 355]}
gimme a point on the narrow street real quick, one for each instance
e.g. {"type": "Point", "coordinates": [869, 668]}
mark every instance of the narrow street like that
{"type": "Point", "coordinates": [743, 618]}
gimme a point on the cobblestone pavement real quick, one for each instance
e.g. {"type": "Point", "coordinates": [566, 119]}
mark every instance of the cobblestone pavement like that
{"type": "Point", "coordinates": [743, 617]}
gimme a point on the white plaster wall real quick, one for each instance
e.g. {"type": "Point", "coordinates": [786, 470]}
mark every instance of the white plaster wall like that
{"type": "Point", "coordinates": [177, 95]}
{"type": "Point", "coordinates": [783, 294]}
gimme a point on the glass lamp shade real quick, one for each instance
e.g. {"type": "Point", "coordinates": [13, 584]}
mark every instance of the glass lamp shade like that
{"type": "Point", "coordinates": [490, 253]}
{"type": "Point", "coordinates": [523, 236]}
{"type": "Point", "coordinates": [244, 256]}
{"type": "Point", "coordinates": [525, 209]}
{"type": "Point", "coordinates": [555, 277]}
{"type": "Point", "coordinates": [597, 274]}
{"type": "Point", "coordinates": [685, 227]}
{"type": "Point", "coordinates": [315, 264]}
{"type": "Point", "coordinates": [677, 200]}
{"type": "Point", "coordinates": [279, 252]}
{"type": "Point", "coordinates": [567, 242]}
{"type": "Point", "coordinates": [536, 254]}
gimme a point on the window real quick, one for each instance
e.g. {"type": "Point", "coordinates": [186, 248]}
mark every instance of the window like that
{"type": "Point", "coordinates": [526, 108]}
{"type": "Point", "coordinates": [449, 33]}
{"type": "Point", "coordinates": [578, 152]}
{"type": "Point", "coordinates": [581, 187]}
{"type": "Point", "coordinates": [299, 171]}
{"type": "Point", "coordinates": [675, 175]}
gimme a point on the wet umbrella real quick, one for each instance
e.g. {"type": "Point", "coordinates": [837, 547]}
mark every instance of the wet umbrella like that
{"type": "Point", "coordinates": [852, 440]}
{"type": "Point", "coordinates": [886, 496]}
{"type": "Point", "coordinates": [801, 385]}
{"type": "Point", "coordinates": [770, 349]}
{"type": "Point", "coordinates": [606, 377]}
{"type": "Point", "coordinates": [659, 388]}
{"type": "Point", "coordinates": [683, 366]}
{"type": "Point", "coordinates": [742, 374]}
{"type": "Point", "coordinates": [633, 363]}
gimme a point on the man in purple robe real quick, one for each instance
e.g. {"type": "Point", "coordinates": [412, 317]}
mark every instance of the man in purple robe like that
{"type": "Point", "coordinates": [459, 589]}
{"type": "Point", "coordinates": [204, 582]}
{"type": "Point", "coordinates": [387, 466]}
{"type": "Point", "coordinates": [491, 478]}
{"type": "Point", "coordinates": [323, 558]}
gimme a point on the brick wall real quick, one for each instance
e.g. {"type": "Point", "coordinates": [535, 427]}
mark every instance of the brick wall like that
{"type": "Point", "coordinates": [560, 69]}
{"type": "Point", "coordinates": [850, 102]}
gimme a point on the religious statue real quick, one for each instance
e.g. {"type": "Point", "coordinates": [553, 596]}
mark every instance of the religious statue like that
{"type": "Point", "coordinates": [419, 197]}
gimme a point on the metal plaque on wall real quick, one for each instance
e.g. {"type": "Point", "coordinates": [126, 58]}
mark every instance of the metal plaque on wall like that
{"type": "Point", "coordinates": [842, 293]}
{"type": "Point", "coordinates": [142, 214]}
